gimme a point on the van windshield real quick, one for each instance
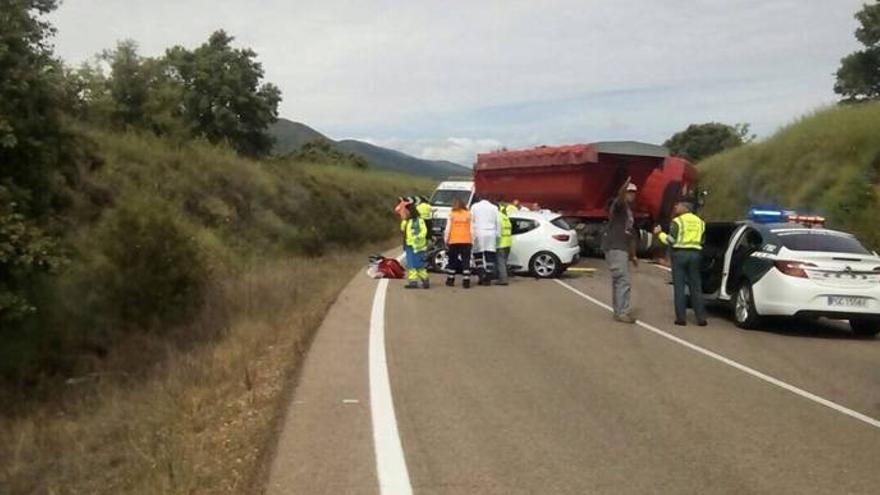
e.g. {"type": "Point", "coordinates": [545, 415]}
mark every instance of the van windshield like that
{"type": "Point", "coordinates": [444, 197]}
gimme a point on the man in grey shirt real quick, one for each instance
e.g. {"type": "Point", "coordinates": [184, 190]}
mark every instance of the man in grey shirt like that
{"type": "Point", "coordinates": [618, 246]}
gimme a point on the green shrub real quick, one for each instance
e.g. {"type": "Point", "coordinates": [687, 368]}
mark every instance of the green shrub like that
{"type": "Point", "coordinates": [25, 252]}
{"type": "Point", "coordinates": [151, 271]}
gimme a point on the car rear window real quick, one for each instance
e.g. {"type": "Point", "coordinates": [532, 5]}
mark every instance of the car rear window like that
{"type": "Point", "coordinates": [818, 240]}
{"type": "Point", "coordinates": [561, 223]}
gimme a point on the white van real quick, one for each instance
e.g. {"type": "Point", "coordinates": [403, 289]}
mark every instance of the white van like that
{"type": "Point", "coordinates": [441, 200]}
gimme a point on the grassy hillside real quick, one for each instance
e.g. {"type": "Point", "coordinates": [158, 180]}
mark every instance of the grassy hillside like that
{"type": "Point", "coordinates": [289, 136]}
{"type": "Point", "coordinates": [203, 209]}
{"type": "Point", "coordinates": [827, 162]}
{"type": "Point", "coordinates": [162, 353]}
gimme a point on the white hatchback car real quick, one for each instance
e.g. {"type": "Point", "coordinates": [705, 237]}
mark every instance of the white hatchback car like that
{"type": "Point", "coordinates": [544, 244]}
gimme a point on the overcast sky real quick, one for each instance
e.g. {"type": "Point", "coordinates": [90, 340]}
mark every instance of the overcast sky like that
{"type": "Point", "coordinates": [446, 79]}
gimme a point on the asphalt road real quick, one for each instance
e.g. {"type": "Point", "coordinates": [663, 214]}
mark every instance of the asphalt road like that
{"type": "Point", "coordinates": [532, 388]}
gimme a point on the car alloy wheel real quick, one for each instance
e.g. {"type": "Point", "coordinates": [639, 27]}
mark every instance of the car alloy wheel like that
{"type": "Point", "coordinates": [742, 304]}
{"type": "Point", "coordinates": [545, 265]}
{"type": "Point", "coordinates": [744, 307]}
{"type": "Point", "coordinates": [441, 260]}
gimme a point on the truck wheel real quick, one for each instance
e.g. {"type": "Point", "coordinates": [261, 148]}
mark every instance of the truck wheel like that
{"type": "Point", "coordinates": [744, 313]}
{"type": "Point", "coordinates": [545, 265]}
{"type": "Point", "coordinates": [865, 327]}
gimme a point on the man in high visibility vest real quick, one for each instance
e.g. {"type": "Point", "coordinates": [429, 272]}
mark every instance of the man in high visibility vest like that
{"type": "Point", "coordinates": [509, 207]}
{"type": "Point", "coordinates": [686, 236]}
{"type": "Point", "coordinates": [425, 212]}
{"type": "Point", "coordinates": [505, 240]}
{"type": "Point", "coordinates": [415, 243]}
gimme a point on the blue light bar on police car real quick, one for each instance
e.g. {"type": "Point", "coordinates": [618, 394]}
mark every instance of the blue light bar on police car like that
{"type": "Point", "coordinates": [767, 215]}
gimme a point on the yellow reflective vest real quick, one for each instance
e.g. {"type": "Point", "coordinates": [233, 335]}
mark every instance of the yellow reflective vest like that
{"type": "Point", "coordinates": [686, 232]}
{"type": "Point", "coordinates": [424, 210]}
{"type": "Point", "coordinates": [415, 234]}
{"type": "Point", "coordinates": [505, 240]}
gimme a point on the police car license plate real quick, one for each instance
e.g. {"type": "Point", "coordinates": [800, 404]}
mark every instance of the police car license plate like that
{"type": "Point", "coordinates": [847, 301]}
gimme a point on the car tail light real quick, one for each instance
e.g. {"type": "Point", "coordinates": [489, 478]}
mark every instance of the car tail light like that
{"type": "Point", "coordinates": [792, 268]}
{"type": "Point", "coordinates": [562, 237]}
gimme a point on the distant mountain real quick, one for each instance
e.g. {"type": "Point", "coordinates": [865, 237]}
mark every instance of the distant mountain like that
{"type": "Point", "coordinates": [401, 162]}
{"type": "Point", "coordinates": [291, 135]}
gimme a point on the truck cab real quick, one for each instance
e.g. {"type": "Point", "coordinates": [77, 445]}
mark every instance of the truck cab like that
{"type": "Point", "coordinates": [441, 201]}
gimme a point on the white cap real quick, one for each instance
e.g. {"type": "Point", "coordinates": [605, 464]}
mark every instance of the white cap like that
{"type": "Point", "coordinates": [631, 187]}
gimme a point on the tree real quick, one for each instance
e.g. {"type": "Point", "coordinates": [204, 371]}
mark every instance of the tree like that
{"type": "Point", "coordinates": [700, 141]}
{"type": "Point", "coordinates": [33, 147]}
{"type": "Point", "coordinates": [31, 134]}
{"type": "Point", "coordinates": [143, 93]}
{"type": "Point", "coordinates": [223, 99]}
{"type": "Point", "coordinates": [858, 78]}
{"type": "Point", "coordinates": [124, 90]}
{"type": "Point", "coordinates": [129, 83]}
{"type": "Point", "coordinates": [25, 252]}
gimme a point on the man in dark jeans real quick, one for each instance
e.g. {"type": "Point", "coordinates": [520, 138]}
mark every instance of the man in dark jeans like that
{"type": "Point", "coordinates": [686, 237]}
{"type": "Point", "coordinates": [617, 244]}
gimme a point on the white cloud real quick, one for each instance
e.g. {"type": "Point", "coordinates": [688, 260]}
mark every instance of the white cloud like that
{"type": "Point", "coordinates": [459, 150]}
{"type": "Point", "coordinates": [506, 70]}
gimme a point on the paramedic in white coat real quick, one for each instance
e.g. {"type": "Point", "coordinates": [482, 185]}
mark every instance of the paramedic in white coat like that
{"type": "Point", "coordinates": [484, 230]}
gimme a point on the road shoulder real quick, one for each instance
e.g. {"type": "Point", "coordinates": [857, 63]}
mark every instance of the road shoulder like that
{"type": "Point", "coordinates": [326, 443]}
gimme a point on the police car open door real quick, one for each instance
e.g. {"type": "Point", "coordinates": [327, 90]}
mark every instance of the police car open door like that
{"type": "Point", "coordinates": [745, 241]}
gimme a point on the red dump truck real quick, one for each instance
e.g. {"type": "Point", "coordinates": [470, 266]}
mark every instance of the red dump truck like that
{"type": "Point", "coordinates": [579, 180]}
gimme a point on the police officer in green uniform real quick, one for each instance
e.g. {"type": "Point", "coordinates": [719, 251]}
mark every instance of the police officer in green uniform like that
{"type": "Point", "coordinates": [425, 212]}
{"type": "Point", "coordinates": [502, 251]}
{"type": "Point", "coordinates": [686, 237]}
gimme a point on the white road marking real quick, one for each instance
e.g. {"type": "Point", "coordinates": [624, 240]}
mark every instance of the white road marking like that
{"type": "Point", "coordinates": [390, 463]}
{"type": "Point", "coordinates": [757, 374]}
{"type": "Point", "coordinates": [350, 401]}
{"type": "Point", "coordinates": [661, 267]}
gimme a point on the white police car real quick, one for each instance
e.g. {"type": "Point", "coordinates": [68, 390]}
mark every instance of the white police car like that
{"type": "Point", "coordinates": [781, 264]}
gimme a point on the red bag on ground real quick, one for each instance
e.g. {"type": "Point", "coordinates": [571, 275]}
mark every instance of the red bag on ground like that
{"type": "Point", "coordinates": [391, 268]}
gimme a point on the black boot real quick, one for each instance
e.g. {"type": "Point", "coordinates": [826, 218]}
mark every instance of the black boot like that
{"type": "Point", "coordinates": [466, 283]}
{"type": "Point", "coordinates": [450, 282]}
